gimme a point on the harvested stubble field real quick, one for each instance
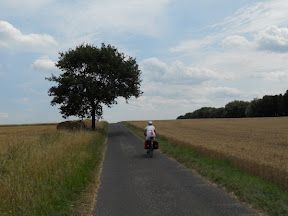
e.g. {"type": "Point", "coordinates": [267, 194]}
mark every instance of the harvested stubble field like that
{"type": "Point", "coordinates": [256, 145]}
{"type": "Point", "coordinates": [44, 171]}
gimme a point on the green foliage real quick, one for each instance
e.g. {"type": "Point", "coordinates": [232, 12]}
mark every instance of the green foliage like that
{"type": "Point", "coordinates": [205, 112]}
{"type": "Point", "coordinates": [235, 109]}
{"type": "Point", "coordinates": [285, 104]}
{"type": "Point", "coordinates": [268, 106]}
{"type": "Point", "coordinates": [254, 109]}
{"type": "Point", "coordinates": [93, 77]}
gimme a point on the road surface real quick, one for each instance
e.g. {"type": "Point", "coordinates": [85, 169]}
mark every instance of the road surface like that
{"type": "Point", "coordinates": [133, 184]}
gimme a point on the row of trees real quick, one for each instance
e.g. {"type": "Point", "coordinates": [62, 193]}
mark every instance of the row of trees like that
{"type": "Point", "coordinates": [268, 106]}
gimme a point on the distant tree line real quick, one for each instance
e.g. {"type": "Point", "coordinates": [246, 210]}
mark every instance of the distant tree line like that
{"type": "Point", "coordinates": [268, 106]}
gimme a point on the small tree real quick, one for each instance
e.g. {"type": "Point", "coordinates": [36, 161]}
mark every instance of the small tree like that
{"type": "Point", "coordinates": [93, 77]}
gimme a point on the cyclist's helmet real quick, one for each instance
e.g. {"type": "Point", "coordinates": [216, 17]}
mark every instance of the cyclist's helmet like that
{"type": "Point", "coordinates": [150, 122]}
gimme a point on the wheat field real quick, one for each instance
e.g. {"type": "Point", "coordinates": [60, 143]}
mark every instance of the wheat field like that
{"type": "Point", "coordinates": [38, 166]}
{"type": "Point", "coordinates": [256, 145]}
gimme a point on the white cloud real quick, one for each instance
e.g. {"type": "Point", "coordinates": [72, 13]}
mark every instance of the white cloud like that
{"type": "Point", "coordinates": [23, 100]}
{"type": "Point", "coordinates": [31, 89]}
{"type": "Point", "coordinates": [191, 45]}
{"type": "Point", "coordinates": [261, 22]}
{"type": "Point", "coordinates": [243, 63]}
{"type": "Point", "coordinates": [160, 100]}
{"type": "Point", "coordinates": [3, 115]}
{"type": "Point", "coordinates": [138, 17]}
{"type": "Point", "coordinates": [207, 92]}
{"type": "Point", "coordinates": [223, 91]}
{"type": "Point", "coordinates": [24, 5]}
{"type": "Point", "coordinates": [3, 44]}
{"type": "Point", "coordinates": [156, 71]}
{"type": "Point", "coordinates": [2, 74]}
{"type": "Point", "coordinates": [168, 86]}
{"type": "Point", "coordinates": [13, 37]}
{"type": "Point", "coordinates": [44, 63]}
{"type": "Point", "coordinates": [238, 47]}
{"type": "Point", "coordinates": [236, 41]}
{"type": "Point", "coordinates": [273, 39]}
{"type": "Point", "coordinates": [152, 104]}
{"type": "Point", "coordinates": [255, 17]}
{"type": "Point", "coordinates": [273, 76]}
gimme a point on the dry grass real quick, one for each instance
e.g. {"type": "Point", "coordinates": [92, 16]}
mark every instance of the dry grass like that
{"type": "Point", "coordinates": [36, 164]}
{"type": "Point", "coordinates": [256, 145]}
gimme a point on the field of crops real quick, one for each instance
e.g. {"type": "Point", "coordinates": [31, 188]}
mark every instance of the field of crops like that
{"type": "Point", "coordinates": [44, 171]}
{"type": "Point", "coordinates": [256, 145]}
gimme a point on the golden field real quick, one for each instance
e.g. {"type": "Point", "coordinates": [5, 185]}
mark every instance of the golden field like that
{"type": "Point", "coordinates": [38, 165]}
{"type": "Point", "coordinates": [256, 145]}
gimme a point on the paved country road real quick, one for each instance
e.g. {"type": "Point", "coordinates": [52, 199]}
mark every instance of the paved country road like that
{"type": "Point", "coordinates": [133, 184]}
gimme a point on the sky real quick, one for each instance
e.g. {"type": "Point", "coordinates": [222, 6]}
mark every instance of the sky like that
{"type": "Point", "coordinates": [192, 54]}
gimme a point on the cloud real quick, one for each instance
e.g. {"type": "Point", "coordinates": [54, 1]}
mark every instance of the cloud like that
{"type": "Point", "coordinates": [191, 45]}
{"type": "Point", "coordinates": [255, 17]}
{"type": "Point", "coordinates": [3, 115]}
{"type": "Point", "coordinates": [224, 92]}
{"type": "Point", "coordinates": [13, 37]}
{"type": "Point", "coordinates": [2, 74]}
{"type": "Point", "coordinates": [44, 63]}
{"type": "Point", "coordinates": [170, 95]}
{"type": "Point", "coordinates": [250, 46]}
{"type": "Point", "coordinates": [153, 103]}
{"type": "Point", "coordinates": [177, 73]}
{"type": "Point", "coordinates": [24, 5]}
{"type": "Point", "coordinates": [236, 41]}
{"type": "Point", "coordinates": [23, 100]}
{"type": "Point", "coordinates": [262, 22]}
{"type": "Point", "coordinates": [34, 88]}
{"type": "Point", "coordinates": [273, 76]}
{"type": "Point", "coordinates": [234, 50]}
{"type": "Point", "coordinates": [273, 39]}
{"type": "Point", "coordinates": [138, 17]}
{"type": "Point", "coordinates": [207, 92]}
{"type": "Point", "coordinates": [158, 102]}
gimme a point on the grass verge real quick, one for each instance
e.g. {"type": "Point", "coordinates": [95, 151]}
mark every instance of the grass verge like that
{"type": "Point", "coordinates": [261, 195]}
{"type": "Point", "coordinates": [87, 199]}
{"type": "Point", "coordinates": [48, 172]}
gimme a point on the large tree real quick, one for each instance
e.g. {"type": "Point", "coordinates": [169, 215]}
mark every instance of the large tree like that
{"type": "Point", "coordinates": [92, 77]}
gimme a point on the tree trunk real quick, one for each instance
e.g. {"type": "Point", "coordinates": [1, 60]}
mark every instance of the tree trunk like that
{"type": "Point", "coordinates": [93, 117]}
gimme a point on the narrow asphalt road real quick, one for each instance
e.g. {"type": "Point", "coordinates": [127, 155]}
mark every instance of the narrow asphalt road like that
{"type": "Point", "coordinates": [133, 184]}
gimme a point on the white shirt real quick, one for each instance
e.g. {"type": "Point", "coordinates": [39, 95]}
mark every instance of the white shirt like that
{"type": "Point", "coordinates": [150, 131]}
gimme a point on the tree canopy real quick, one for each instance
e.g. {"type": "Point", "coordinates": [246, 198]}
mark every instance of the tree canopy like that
{"type": "Point", "coordinates": [268, 106]}
{"type": "Point", "coordinates": [92, 77]}
{"type": "Point", "coordinates": [235, 109]}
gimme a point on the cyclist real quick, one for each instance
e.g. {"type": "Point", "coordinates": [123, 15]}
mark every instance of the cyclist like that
{"type": "Point", "coordinates": [150, 131]}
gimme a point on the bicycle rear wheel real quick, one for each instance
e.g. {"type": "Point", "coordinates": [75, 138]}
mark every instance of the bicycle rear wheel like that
{"type": "Point", "coordinates": [150, 153]}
